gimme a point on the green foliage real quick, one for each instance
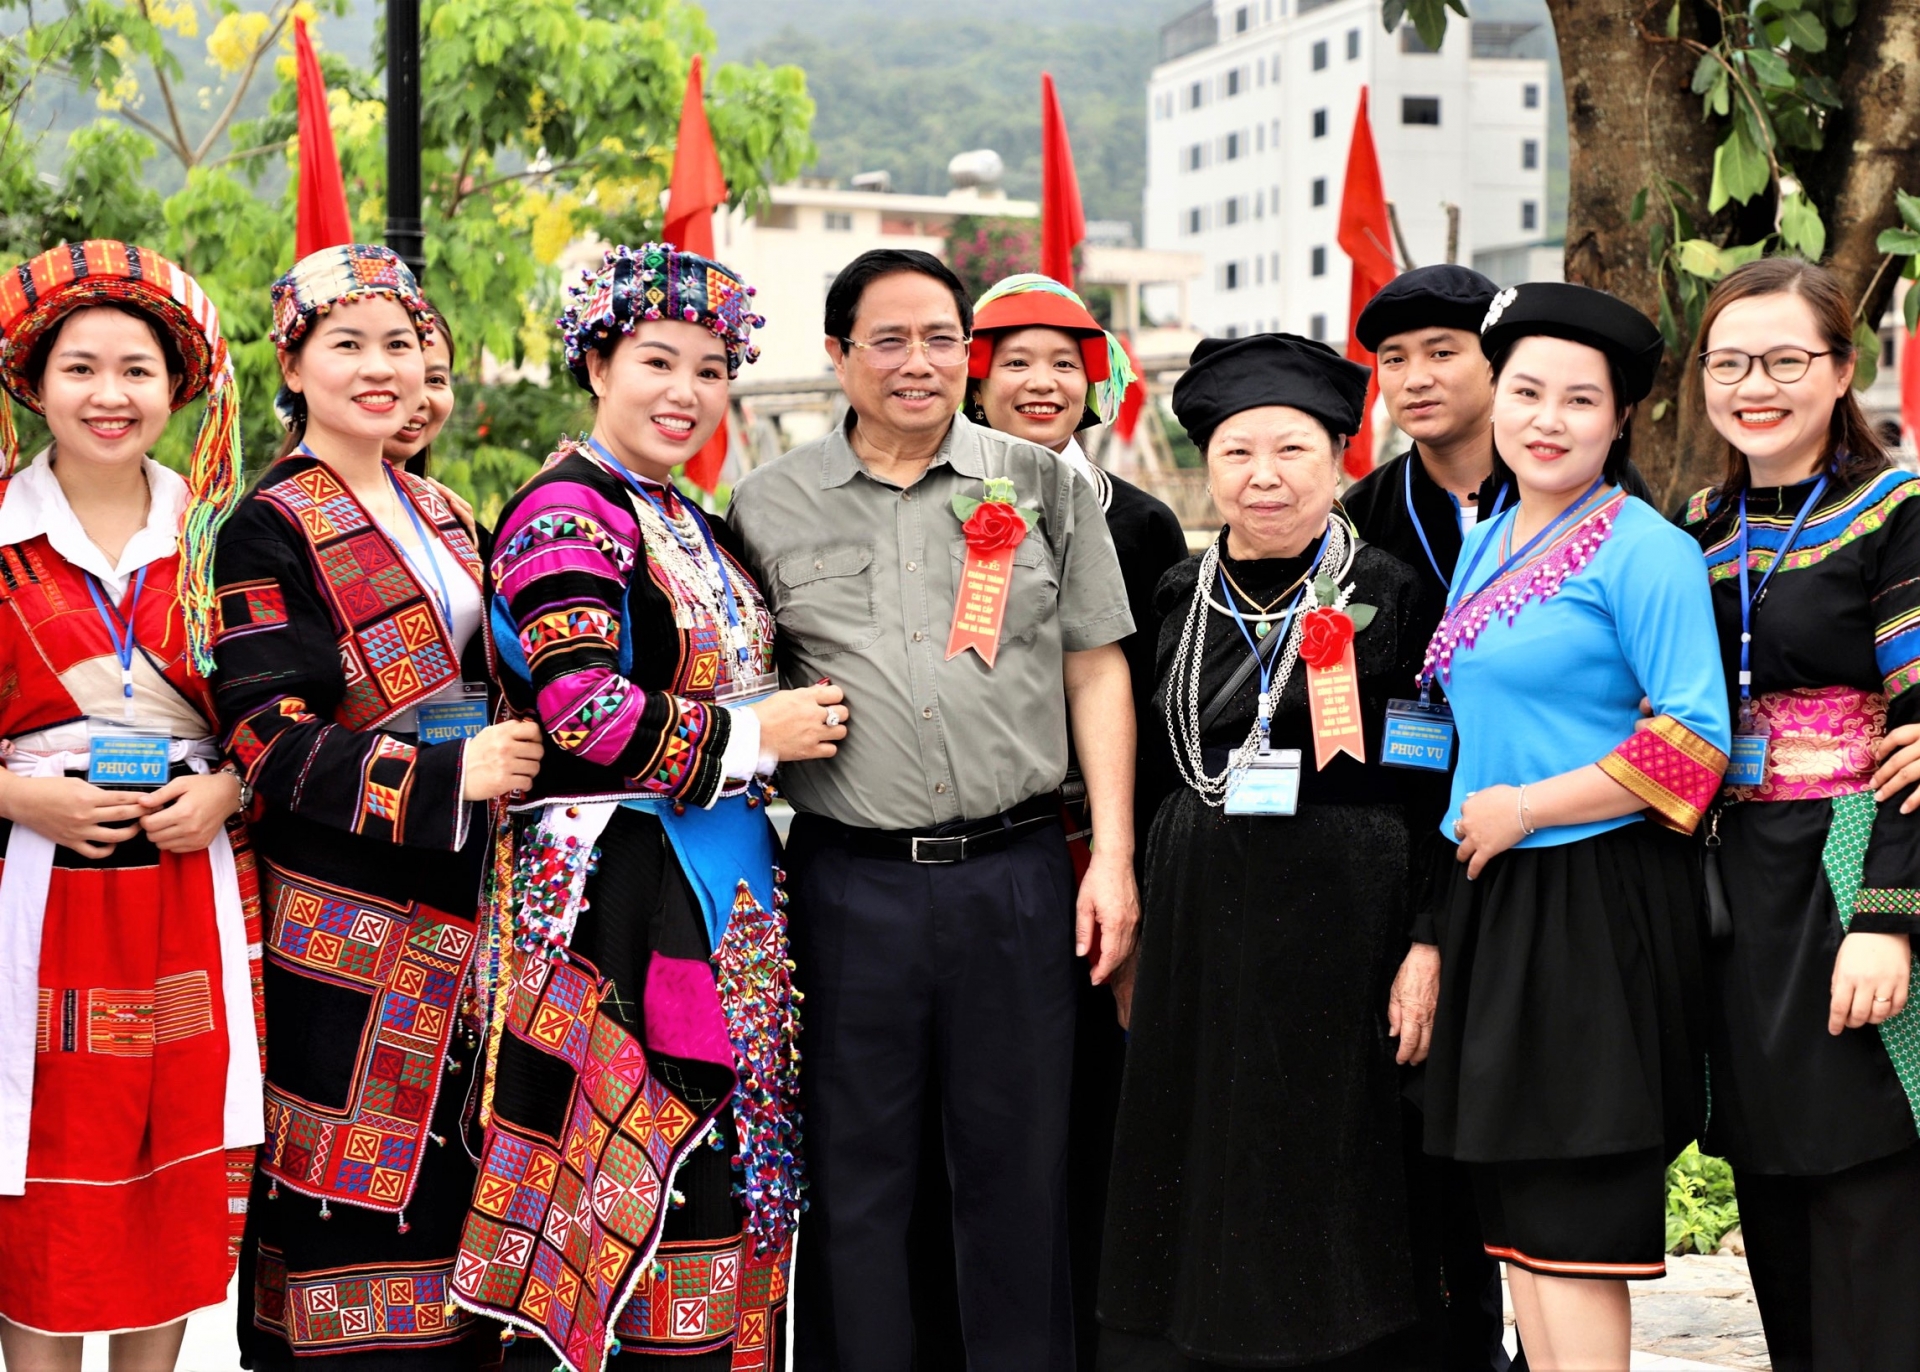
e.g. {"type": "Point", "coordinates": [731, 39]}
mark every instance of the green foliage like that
{"type": "Point", "coordinates": [983, 250]}
{"type": "Point", "coordinates": [1429, 17]}
{"type": "Point", "coordinates": [1701, 1207]}
{"type": "Point", "coordinates": [499, 435]}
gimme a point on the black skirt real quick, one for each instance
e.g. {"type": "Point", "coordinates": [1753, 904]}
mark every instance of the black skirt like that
{"type": "Point", "coordinates": [1257, 1212]}
{"type": "Point", "coordinates": [1571, 995]}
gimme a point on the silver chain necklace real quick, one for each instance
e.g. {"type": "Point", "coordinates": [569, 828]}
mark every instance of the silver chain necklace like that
{"type": "Point", "coordinates": [1183, 685]}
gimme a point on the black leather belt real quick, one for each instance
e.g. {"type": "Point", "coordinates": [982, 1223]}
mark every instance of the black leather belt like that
{"type": "Point", "coordinates": [952, 842]}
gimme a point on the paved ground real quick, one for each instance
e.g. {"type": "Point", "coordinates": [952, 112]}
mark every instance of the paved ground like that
{"type": "Point", "coordinates": [1701, 1316]}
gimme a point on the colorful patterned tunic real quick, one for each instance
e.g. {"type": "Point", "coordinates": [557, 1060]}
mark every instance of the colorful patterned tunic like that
{"type": "Point", "coordinates": [141, 1052]}
{"type": "Point", "coordinates": [371, 866]}
{"type": "Point", "coordinates": [623, 1209]}
{"type": "Point", "coordinates": [1808, 854]}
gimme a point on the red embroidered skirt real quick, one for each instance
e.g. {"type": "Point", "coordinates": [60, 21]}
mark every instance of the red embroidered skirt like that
{"type": "Point", "coordinates": [126, 1221]}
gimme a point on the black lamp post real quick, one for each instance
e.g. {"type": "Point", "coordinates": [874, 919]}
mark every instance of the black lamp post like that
{"type": "Point", "coordinates": [405, 233]}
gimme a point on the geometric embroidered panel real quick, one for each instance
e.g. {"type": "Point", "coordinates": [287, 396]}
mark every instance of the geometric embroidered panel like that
{"type": "Point", "coordinates": [355, 1309]}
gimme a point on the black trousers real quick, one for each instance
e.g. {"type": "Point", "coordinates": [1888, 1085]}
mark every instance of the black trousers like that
{"type": "Point", "coordinates": [1461, 1306]}
{"type": "Point", "coordinates": [949, 987]}
{"type": "Point", "coordinates": [1836, 1265]}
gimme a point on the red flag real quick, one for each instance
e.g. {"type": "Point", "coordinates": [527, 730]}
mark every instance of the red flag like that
{"type": "Point", "coordinates": [1910, 378]}
{"type": "Point", "coordinates": [1134, 401]}
{"type": "Point", "coordinates": [1366, 237]}
{"type": "Point", "coordinates": [1063, 224]}
{"type": "Point", "coordinates": [697, 189]}
{"type": "Point", "coordinates": [321, 220]}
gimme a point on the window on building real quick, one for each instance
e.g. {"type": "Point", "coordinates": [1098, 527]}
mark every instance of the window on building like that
{"type": "Point", "coordinates": [1319, 263]}
{"type": "Point", "coordinates": [1273, 261]}
{"type": "Point", "coordinates": [1230, 276]}
{"type": "Point", "coordinates": [839, 222]}
{"type": "Point", "coordinates": [1320, 55]}
{"type": "Point", "coordinates": [1196, 156]}
{"type": "Point", "coordinates": [1319, 195]}
{"type": "Point", "coordinates": [1276, 69]}
{"type": "Point", "coordinates": [1317, 328]}
{"type": "Point", "coordinates": [1529, 215]}
{"type": "Point", "coordinates": [1241, 18]}
{"type": "Point", "coordinates": [1411, 41]}
{"type": "Point", "coordinates": [1259, 204]}
{"type": "Point", "coordinates": [1195, 219]}
{"type": "Point", "coordinates": [1275, 135]}
{"type": "Point", "coordinates": [1529, 154]}
{"type": "Point", "coordinates": [1230, 211]}
{"type": "Point", "coordinates": [1530, 96]}
{"type": "Point", "coordinates": [1353, 45]}
{"type": "Point", "coordinates": [1320, 123]}
{"type": "Point", "coordinates": [1886, 349]}
{"type": "Point", "coordinates": [1232, 331]}
{"type": "Point", "coordinates": [1233, 82]}
{"type": "Point", "coordinates": [1259, 271]}
{"type": "Point", "coordinates": [1232, 142]}
{"type": "Point", "coordinates": [1196, 95]}
{"type": "Point", "coordinates": [1420, 109]}
{"type": "Point", "coordinates": [777, 217]}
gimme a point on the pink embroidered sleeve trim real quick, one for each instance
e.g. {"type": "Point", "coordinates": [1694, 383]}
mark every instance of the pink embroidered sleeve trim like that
{"type": "Point", "coordinates": [1670, 767]}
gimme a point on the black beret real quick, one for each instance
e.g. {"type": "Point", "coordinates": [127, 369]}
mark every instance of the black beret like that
{"type": "Point", "coordinates": [1227, 375]}
{"type": "Point", "coordinates": [1580, 314]}
{"type": "Point", "coordinates": [1443, 296]}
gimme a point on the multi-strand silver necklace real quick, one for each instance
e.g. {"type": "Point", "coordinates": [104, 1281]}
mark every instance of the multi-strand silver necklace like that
{"type": "Point", "coordinates": [1183, 688]}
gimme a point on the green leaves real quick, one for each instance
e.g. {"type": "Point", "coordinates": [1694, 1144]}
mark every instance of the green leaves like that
{"type": "Point", "coordinates": [1362, 615]}
{"type": "Point", "coordinates": [1866, 355]}
{"type": "Point", "coordinates": [1429, 17]}
{"type": "Point", "coordinates": [1709, 261]}
{"type": "Point", "coordinates": [1740, 169]}
{"type": "Point", "coordinates": [1805, 31]}
{"type": "Point", "coordinates": [1800, 227]}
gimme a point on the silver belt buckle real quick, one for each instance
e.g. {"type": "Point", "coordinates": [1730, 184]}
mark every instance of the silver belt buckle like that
{"type": "Point", "coordinates": [958, 849]}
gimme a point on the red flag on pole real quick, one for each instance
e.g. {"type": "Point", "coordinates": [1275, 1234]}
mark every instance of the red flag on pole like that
{"type": "Point", "coordinates": [1134, 401]}
{"type": "Point", "coordinates": [697, 189]}
{"type": "Point", "coordinates": [1365, 237]}
{"type": "Point", "coordinates": [1063, 224]}
{"type": "Point", "coordinates": [321, 219]}
{"type": "Point", "coordinates": [1910, 378]}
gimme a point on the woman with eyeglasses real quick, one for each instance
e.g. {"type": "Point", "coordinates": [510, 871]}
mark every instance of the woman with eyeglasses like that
{"type": "Point", "coordinates": [1813, 542]}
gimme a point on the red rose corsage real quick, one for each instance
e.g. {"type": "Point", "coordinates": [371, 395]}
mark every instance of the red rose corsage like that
{"type": "Point", "coordinates": [1324, 636]}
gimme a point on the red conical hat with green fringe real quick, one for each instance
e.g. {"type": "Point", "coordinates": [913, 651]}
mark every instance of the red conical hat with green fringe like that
{"type": "Point", "coordinates": [37, 295]}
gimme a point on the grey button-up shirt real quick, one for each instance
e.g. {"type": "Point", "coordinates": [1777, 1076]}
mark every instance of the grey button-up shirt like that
{"type": "Point", "coordinates": [862, 576]}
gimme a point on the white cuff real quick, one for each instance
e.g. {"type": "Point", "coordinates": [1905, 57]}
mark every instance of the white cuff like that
{"type": "Point", "coordinates": [742, 760]}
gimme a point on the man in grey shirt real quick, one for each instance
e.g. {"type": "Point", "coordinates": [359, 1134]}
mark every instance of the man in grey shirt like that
{"type": "Point", "coordinates": [935, 923]}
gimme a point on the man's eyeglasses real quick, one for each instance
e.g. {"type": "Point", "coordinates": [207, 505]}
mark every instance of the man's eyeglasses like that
{"type": "Point", "coordinates": [1729, 366]}
{"type": "Point", "coordinates": [891, 354]}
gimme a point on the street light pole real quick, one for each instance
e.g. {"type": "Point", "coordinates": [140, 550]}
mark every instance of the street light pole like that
{"type": "Point", "coordinates": [405, 233]}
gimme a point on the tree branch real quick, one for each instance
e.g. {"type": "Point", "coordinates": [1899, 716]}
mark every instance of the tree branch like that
{"type": "Point", "coordinates": [165, 139]}
{"type": "Point", "coordinates": [529, 173]}
{"type": "Point", "coordinates": [166, 89]}
{"type": "Point", "coordinates": [263, 150]}
{"type": "Point", "coordinates": [240, 89]}
{"type": "Point", "coordinates": [459, 181]}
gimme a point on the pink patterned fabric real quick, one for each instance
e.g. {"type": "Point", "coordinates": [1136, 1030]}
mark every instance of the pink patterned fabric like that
{"type": "Point", "coordinates": [1670, 767]}
{"type": "Point", "coordinates": [1506, 596]}
{"type": "Point", "coordinates": [1821, 742]}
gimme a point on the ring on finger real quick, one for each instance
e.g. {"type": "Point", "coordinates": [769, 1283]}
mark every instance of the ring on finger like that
{"type": "Point", "coordinates": [833, 716]}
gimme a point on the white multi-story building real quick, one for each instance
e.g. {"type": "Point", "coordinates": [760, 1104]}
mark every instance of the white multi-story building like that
{"type": "Point", "coordinates": [1249, 119]}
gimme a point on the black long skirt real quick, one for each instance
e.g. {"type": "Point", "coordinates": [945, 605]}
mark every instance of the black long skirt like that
{"type": "Point", "coordinates": [1570, 1022]}
{"type": "Point", "coordinates": [1257, 1211]}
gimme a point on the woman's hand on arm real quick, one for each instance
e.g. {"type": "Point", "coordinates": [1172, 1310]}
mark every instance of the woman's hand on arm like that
{"type": "Point", "coordinates": [184, 815]}
{"type": "Point", "coordinates": [1411, 1002]}
{"type": "Point", "coordinates": [1490, 820]}
{"type": "Point", "coordinates": [803, 724]}
{"type": "Point", "coordinates": [70, 812]}
{"type": "Point", "coordinates": [500, 759]}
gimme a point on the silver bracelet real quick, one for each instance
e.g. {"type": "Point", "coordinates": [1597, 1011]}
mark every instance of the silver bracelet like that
{"type": "Point", "coordinates": [1521, 809]}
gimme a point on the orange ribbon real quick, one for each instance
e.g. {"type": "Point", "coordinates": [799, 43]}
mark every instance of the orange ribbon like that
{"type": "Point", "coordinates": [1333, 697]}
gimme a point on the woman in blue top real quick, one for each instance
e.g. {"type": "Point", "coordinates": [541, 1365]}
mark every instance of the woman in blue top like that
{"type": "Point", "coordinates": [1566, 1069]}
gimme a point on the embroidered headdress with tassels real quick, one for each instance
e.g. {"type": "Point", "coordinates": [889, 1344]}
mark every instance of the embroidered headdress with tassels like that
{"type": "Point", "coordinates": [655, 281]}
{"type": "Point", "coordinates": [321, 280]}
{"type": "Point", "coordinates": [1029, 300]}
{"type": "Point", "coordinates": [37, 295]}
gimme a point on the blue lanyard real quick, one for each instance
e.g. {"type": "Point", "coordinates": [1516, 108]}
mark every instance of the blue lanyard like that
{"type": "Point", "coordinates": [607, 459]}
{"type": "Point", "coordinates": [445, 597]}
{"type": "Point", "coordinates": [1460, 586]}
{"type": "Point", "coordinates": [123, 646]}
{"type": "Point", "coordinates": [1499, 503]}
{"type": "Point", "coordinates": [1266, 664]}
{"type": "Point", "coordinates": [1748, 599]}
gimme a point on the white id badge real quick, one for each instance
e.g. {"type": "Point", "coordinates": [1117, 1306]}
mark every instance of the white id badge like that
{"type": "Point", "coordinates": [744, 690]}
{"type": "Point", "coordinates": [1269, 785]}
{"type": "Point", "coordinates": [127, 755]}
{"type": "Point", "coordinates": [449, 721]}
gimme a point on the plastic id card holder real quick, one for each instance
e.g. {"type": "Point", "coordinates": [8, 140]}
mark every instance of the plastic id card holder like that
{"type": "Point", "coordinates": [1269, 785]}
{"type": "Point", "coordinates": [1747, 764]}
{"type": "Point", "coordinates": [449, 721]}
{"type": "Point", "coordinates": [1417, 735]}
{"type": "Point", "coordinates": [127, 755]}
{"type": "Point", "coordinates": [744, 690]}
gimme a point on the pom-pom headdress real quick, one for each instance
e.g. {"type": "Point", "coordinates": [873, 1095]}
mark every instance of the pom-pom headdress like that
{"type": "Point", "coordinates": [36, 296]}
{"type": "Point", "coordinates": [656, 281]}
{"type": "Point", "coordinates": [1030, 300]}
{"type": "Point", "coordinates": [321, 280]}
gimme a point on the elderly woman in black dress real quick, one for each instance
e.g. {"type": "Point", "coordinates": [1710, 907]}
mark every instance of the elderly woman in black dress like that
{"type": "Point", "coordinates": [1258, 1215]}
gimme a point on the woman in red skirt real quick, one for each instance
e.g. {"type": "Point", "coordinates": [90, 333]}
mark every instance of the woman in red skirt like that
{"type": "Point", "coordinates": [129, 931]}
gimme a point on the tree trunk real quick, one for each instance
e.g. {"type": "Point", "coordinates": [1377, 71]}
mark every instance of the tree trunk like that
{"type": "Point", "coordinates": [1632, 123]}
{"type": "Point", "coordinates": [1872, 148]}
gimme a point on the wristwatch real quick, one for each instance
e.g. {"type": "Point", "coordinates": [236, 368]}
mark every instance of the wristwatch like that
{"type": "Point", "coordinates": [246, 788]}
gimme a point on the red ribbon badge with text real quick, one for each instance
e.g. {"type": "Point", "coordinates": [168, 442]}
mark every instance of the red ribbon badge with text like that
{"type": "Point", "coordinates": [994, 528]}
{"type": "Point", "coordinates": [1333, 685]}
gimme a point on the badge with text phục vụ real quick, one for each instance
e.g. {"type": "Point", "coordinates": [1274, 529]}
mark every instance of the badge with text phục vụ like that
{"type": "Point", "coordinates": [994, 527]}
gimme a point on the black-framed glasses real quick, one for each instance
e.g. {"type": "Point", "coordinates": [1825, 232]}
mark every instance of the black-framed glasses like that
{"type": "Point", "coordinates": [1729, 366]}
{"type": "Point", "coordinates": [891, 354]}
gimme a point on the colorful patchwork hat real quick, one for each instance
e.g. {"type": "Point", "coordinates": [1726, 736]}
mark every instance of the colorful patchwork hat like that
{"type": "Point", "coordinates": [657, 281]}
{"type": "Point", "coordinates": [321, 280]}
{"type": "Point", "coordinates": [37, 295]}
{"type": "Point", "coordinates": [1029, 300]}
